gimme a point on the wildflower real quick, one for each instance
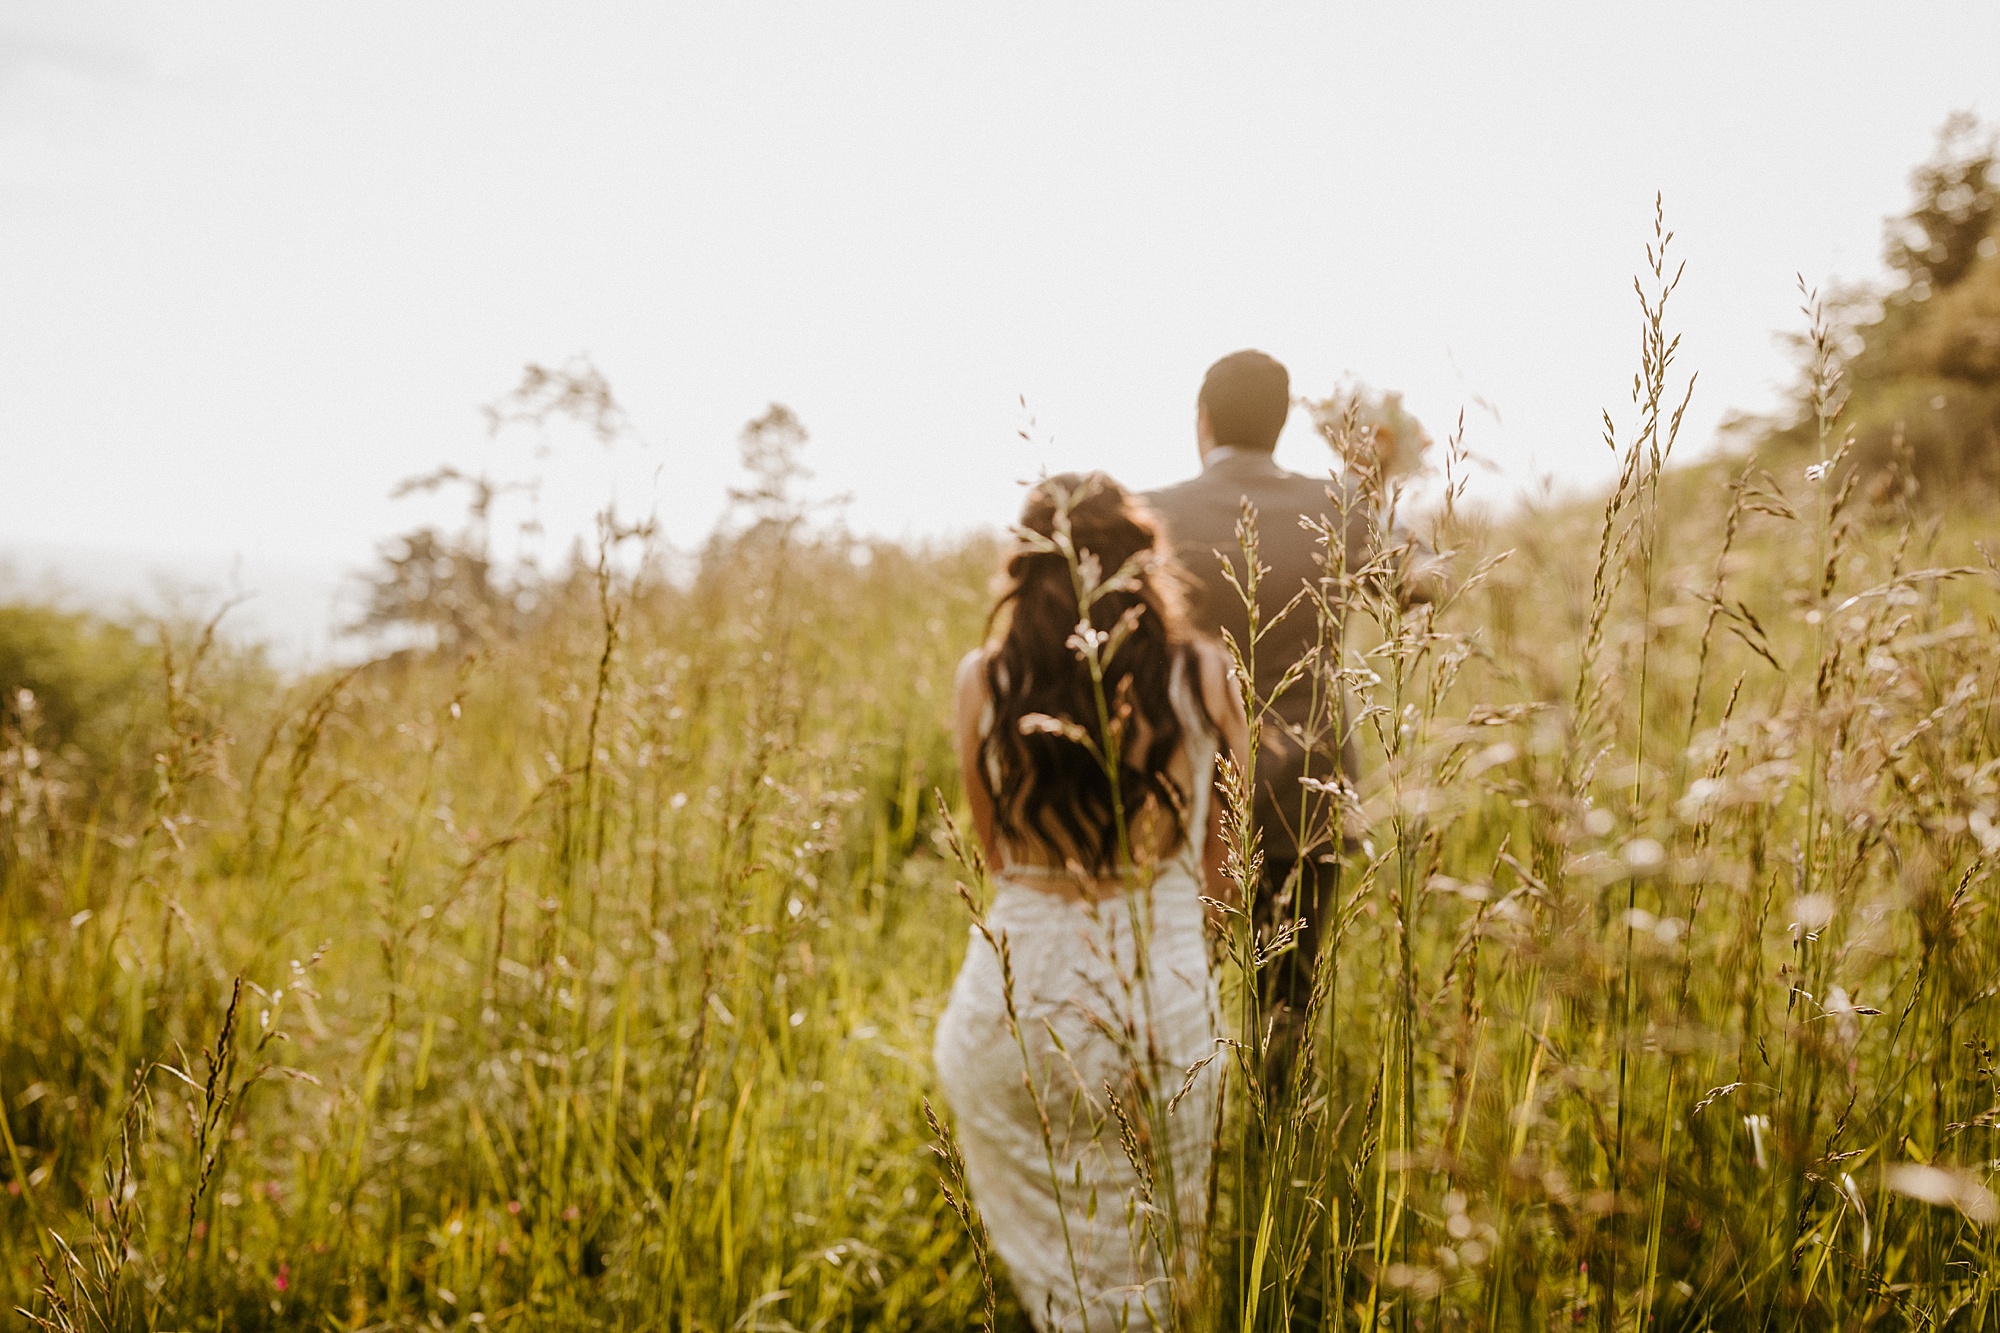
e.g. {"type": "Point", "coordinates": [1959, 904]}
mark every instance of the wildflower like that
{"type": "Point", "coordinates": [1697, 804]}
{"type": "Point", "coordinates": [1644, 856]}
{"type": "Point", "coordinates": [1945, 1187]}
{"type": "Point", "coordinates": [1812, 912]}
{"type": "Point", "coordinates": [1986, 830]}
{"type": "Point", "coordinates": [1757, 1124]}
{"type": "Point", "coordinates": [284, 1278]}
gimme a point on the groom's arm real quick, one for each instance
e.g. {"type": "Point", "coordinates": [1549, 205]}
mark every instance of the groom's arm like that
{"type": "Point", "coordinates": [1224, 706]}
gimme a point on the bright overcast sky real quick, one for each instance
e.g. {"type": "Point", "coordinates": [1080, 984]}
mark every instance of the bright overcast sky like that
{"type": "Point", "coordinates": [261, 261]}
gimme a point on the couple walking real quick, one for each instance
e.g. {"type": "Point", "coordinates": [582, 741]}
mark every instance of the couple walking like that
{"type": "Point", "coordinates": [1076, 1048]}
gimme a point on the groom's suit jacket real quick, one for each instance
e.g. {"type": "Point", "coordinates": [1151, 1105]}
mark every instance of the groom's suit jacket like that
{"type": "Point", "coordinates": [1200, 519]}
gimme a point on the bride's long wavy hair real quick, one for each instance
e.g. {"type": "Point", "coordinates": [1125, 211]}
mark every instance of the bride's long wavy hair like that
{"type": "Point", "coordinates": [1047, 786]}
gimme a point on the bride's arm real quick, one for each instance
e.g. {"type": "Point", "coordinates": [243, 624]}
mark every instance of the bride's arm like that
{"type": "Point", "coordinates": [969, 702]}
{"type": "Point", "coordinates": [1225, 708]}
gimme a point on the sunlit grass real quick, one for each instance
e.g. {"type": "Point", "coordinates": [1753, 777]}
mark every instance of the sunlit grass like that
{"type": "Point", "coordinates": [589, 980]}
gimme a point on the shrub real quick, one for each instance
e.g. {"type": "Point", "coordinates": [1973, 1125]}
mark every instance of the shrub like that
{"type": "Point", "coordinates": [87, 680]}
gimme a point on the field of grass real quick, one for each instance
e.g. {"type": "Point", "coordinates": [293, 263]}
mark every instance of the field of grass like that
{"type": "Point", "coordinates": [588, 980]}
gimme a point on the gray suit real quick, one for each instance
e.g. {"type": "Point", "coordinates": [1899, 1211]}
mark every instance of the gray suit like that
{"type": "Point", "coordinates": [1200, 518]}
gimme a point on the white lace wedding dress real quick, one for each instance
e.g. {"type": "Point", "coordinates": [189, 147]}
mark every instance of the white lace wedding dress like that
{"type": "Point", "coordinates": [1110, 994]}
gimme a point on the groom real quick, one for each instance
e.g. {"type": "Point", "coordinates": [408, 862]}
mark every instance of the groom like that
{"type": "Point", "coordinates": [1241, 409]}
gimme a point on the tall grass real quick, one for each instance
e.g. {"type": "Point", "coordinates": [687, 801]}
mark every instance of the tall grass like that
{"type": "Point", "coordinates": [588, 980]}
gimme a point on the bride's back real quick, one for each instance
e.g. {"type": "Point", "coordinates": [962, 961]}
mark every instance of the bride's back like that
{"type": "Point", "coordinates": [1087, 748]}
{"type": "Point", "coordinates": [1077, 717]}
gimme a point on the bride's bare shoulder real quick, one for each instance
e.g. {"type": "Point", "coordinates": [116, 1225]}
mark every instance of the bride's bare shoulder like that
{"type": "Point", "coordinates": [972, 670]}
{"type": "Point", "coordinates": [1218, 691]}
{"type": "Point", "coordinates": [968, 688]}
{"type": "Point", "coordinates": [1213, 661]}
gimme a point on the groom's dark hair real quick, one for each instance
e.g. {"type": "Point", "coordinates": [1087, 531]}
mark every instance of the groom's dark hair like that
{"type": "Point", "coordinates": [1247, 395]}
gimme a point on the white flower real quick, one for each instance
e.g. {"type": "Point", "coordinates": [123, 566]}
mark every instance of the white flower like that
{"type": "Point", "coordinates": [1701, 794]}
{"type": "Point", "coordinates": [1945, 1187]}
{"type": "Point", "coordinates": [1643, 856]}
{"type": "Point", "coordinates": [1986, 830]}
{"type": "Point", "coordinates": [1812, 912]}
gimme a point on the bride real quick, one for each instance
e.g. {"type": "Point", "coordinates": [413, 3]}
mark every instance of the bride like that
{"type": "Point", "coordinates": [1075, 1048]}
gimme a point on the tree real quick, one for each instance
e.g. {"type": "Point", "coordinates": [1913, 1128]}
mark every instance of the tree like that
{"type": "Point", "coordinates": [446, 584]}
{"type": "Point", "coordinates": [1950, 229]}
{"type": "Point", "coordinates": [1922, 370]}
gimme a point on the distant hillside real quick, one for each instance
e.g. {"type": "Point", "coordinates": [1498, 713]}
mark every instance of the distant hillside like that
{"type": "Point", "coordinates": [294, 609]}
